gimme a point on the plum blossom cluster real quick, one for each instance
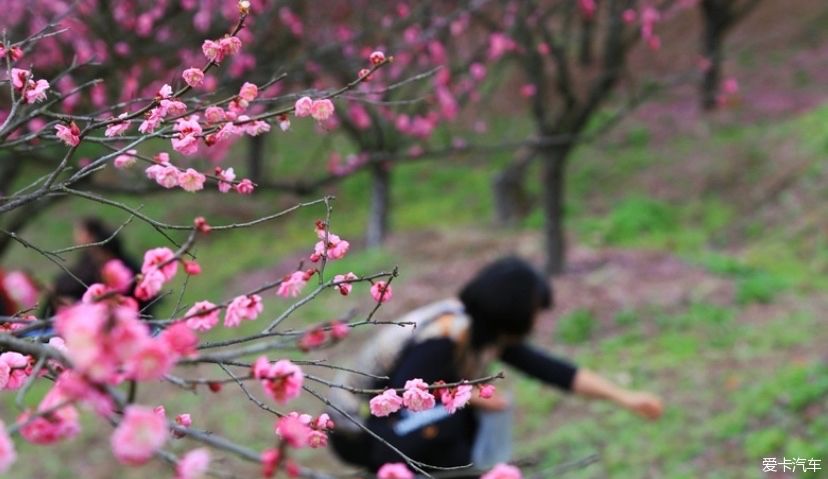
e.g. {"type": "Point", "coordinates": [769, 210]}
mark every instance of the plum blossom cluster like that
{"type": "Point", "coordinates": [108, 343]}
{"type": "Point", "coordinates": [381, 292]}
{"type": "Point", "coordinates": [394, 470]}
{"type": "Point", "coordinates": [294, 283]}
{"type": "Point", "coordinates": [217, 50]}
{"type": "Point", "coordinates": [318, 336]}
{"type": "Point", "coordinates": [33, 91]}
{"type": "Point", "coordinates": [160, 266]}
{"type": "Point", "coordinates": [295, 431]}
{"type": "Point", "coordinates": [329, 246]}
{"type": "Point", "coordinates": [503, 471]}
{"type": "Point", "coordinates": [204, 315]}
{"type": "Point", "coordinates": [418, 397]}
{"type": "Point", "coordinates": [320, 110]}
{"type": "Point", "coordinates": [282, 380]}
{"type": "Point", "coordinates": [14, 52]}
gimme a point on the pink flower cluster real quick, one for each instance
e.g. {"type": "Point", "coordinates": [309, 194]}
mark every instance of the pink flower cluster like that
{"type": "Point", "coordinates": [15, 369]}
{"type": "Point", "coordinates": [7, 452]}
{"type": "Point", "coordinates": [282, 380]}
{"type": "Point", "coordinates": [381, 292]}
{"type": "Point", "coordinates": [294, 283]}
{"type": "Point", "coordinates": [302, 430]}
{"type": "Point", "coordinates": [32, 91]}
{"type": "Point", "coordinates": [126, 160]}
{"type": "Point", "coordinates": [116, 276]}
{"type": "Point", "coordinates": [395, 470]}
{"type": "Point", "coordinates": [217, 50]}
{"type": "Point", "coordinates": [140, 434]}
{"type": "Point", "coordinates": [68, 134]}
{"type": "Point", "coordinates": [243, 307]}
{"type": "Point", "coordinates": [108, 343]}
{"type": "Point", "coordinates": [194, 464]}
{"type": "Point", "coordinates": [649, 17]}
{"type": "Point", "coordinates": [168, 176]}
{"type": "Point", "coordinates": [417, 397]}
{"type": "Point", "coordinates": [189, 130]}
{"type": "Point", "coordinates": [318, 336]}
{"type": "Point", "coordinates": [334, 248]}
{"type": "Point", "coordinates": [15, 53]}
{"type": "Point", "coordinates": [320, 110]}
{"type": "Point", "coordinates": [166, 106]}
{"type": "Point", "coordinates": [503, 471]}
{"type": "Point", "coordinates": [56, 425]}
{"type": "Point", "coordinates": [343, 283]}
{"type": "Point", "coordinates": [160, 265]}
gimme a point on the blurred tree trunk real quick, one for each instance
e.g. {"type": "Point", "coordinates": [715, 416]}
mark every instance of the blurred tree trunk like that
{"type": "Point", "coordinates": [554, 193]}
{"type": "Point", "coordinates": [585, 48]}
{"type": "Point", "coordinates": [380, 204]}
{"type": "Point", "coordinates": [511, 200]}
{"type": "Point", "coordinates": [719, 17]}
{"type": "Point", "coordinates": [713, 33]}
{"type": "Point", "coordinates": [255, 158]}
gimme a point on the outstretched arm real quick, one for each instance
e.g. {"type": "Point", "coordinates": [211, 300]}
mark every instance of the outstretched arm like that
{"type": "Point", "coordinates": [590, 384]}
{"type": "Point", "coordinates": [565, 375]}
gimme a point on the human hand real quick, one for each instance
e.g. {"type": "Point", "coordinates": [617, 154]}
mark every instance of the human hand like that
{"type": "Point", "coordinates": [498, 402]}
{"type": "Point", "coordinates": [644, 404]}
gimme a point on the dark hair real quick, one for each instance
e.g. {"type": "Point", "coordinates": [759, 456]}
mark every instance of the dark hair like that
{"type": "Point", "coordinates": [503, 298]}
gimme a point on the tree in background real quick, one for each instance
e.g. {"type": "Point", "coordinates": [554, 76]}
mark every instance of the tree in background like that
{"type": "Point", "coordinates": [718, 17]}
{"type": "Point", "coordinates": [568, 82]}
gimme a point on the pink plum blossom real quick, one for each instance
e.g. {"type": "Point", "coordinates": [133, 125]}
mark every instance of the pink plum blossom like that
{"type": "Point", "coordinates": [165, 91]}
{"type": "Point", "coordinates": [202, 316]}
{"type": "Point", "coordinates": [293, 284]}
{"type": "Point", "coordinates": [321, 110]}
{"type": "Point", "coordinates": [116, 275]}
{"type": "Point", "coordinates": [119, 128]}
{"type": "Point", "coordinates": [376, 57]}
{"type": "Point", "coordinates": [7, 451]}
{"type": "Point", "coordinates": [386, 403]}
{"type": "Point", "coordinates": [303, 106]}
{"type": "Point", "coordinates": [194, 464]}
{"type": "Point", "coordinates": [241, 308]}
{"type": "Point", "coordinates": [455, 398]}
{"type": "Point", "coordinates": [193, 77]}
{"type": "Point", "coordinates": [345, 287]}
{"type": "Point", "coordinates": [396, 470]}
{"type": "Point", "coordinates": [191, 180]}
{"type": "Point", "coordinates": [244, 187]}
{"type": "Point", "coordinates": [381, 292]}
{"type": "Point", "coordinates": [282, 380]}
{"type": "Point", "coordinates": [126, 160]}
{"type": "Point", "coordinates": [180, 339]}
{"type": "Point", "coordinates": [150, 285]}
{"type": "Point", "coordinates": [56, 426]}
{"type": "Point", "coordinates": [416, 396]}
{"type": "Point", "coordinates": [487, 391]}
{"type": "Point", "coordinates": [339, 330]}
{"type": "Point", "coordinates": [248, 91]}
{"type": "Point", "coordinates": [69, 134]}
{"type": "Point", "coordinates": [226, 179]}
{"type": "Point", "coordinates": [36, 91]}
{"type": "Point", "coordinates": [503, 471]}
{"type": "Point", "coordinates": [214, 114]}
{"type": "Point", "coordinates": [293, 431]}
{"type": "Point", "coordinates": [140, 433]}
